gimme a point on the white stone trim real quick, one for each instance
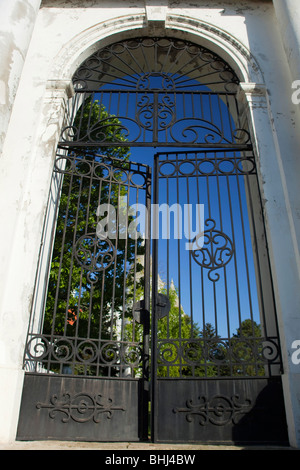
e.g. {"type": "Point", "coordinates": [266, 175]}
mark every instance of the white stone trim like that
{"type": "Point", "coordinates": [233, 51]}
{"type": "Point", "coordinates": [216, 39]}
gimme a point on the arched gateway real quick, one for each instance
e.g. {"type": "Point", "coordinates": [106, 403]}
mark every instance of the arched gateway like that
{"type": "Point", "coordinates": [158, 277]}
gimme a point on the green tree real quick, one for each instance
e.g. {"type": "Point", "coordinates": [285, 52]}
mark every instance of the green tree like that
{"type": "Point", "coordinates": [212, 353]}
{"type": "Point", "coordinates": [177, 340]}
{"type": "Point", "coordinates": [245, 350]}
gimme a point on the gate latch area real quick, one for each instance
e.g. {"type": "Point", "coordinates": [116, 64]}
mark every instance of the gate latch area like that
{"type": "Point", "coordinates": [162, 305]}
{"type": "Point", "coordinates": [140, 314]}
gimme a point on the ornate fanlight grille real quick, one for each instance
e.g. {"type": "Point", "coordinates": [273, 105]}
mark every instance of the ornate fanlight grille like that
{"type": "Point", "coordinates": [155, 63]}
{"type": "Point", "coordinates": [164, 92]}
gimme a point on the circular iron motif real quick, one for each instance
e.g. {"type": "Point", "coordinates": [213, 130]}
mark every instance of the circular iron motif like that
{"type": "Point", "coordinates": [215, 251]}
{"type": "Point", "coordinates": [93, 253]}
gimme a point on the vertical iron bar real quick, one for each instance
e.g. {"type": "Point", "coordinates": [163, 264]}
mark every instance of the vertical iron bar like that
{"type": "Point", "coordinates": [245, 249]}
{"type": "Point", "coordinates": [115, 267]}
{"type": "Point", "coordinates": [224, 268]}
{"type": "Point", "coordinates": [147, 293]}
{"type": "Point", "coordinates": [255, 250]}
{"type": "Point", "coordinates": [155, 117]}
{"type": "Point", "coordinates": [124, 307]}
{"type": "Point", "coordinates": [179, 267]}
{"type": "Point", "coordinates": [168, 251]}
{"type": "Point", "coordinates": [190, 218]}
{"type": "Point", "coordinates": [234, 255]}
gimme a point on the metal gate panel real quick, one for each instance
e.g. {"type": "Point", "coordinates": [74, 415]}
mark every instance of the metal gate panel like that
{"type": "Point", "coordinates": [83, 409]}
{"type": "Point", "coordinates": [215, 349]}
{"type": "Point", "coordinates": [221, 411]}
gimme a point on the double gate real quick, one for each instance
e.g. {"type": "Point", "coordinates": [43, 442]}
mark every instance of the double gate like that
{"type": "Point", "coordinates": [157, 317]}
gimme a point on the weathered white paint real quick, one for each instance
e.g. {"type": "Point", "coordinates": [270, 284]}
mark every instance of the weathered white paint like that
{"type": "Point", "coordinates": [288, 17]}
{"type": "Point", "coordinates": [17, 21]}
{"type": "Point", "coordinates": [248, 35]}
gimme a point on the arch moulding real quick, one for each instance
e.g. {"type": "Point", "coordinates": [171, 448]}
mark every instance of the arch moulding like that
{"type": "Point", "coordinates": [85, 43]}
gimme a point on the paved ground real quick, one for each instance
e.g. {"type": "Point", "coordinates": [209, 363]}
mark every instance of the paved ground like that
{"type": "Point", "coordinates": [55, 445]}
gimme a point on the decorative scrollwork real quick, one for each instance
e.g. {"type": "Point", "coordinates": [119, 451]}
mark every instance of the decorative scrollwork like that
{"type": "Point", "coordinates": [110, 353]}
{"type": "Point", "coordinates": [215, 252]}
{"type": "Point", "coordinates": [218, 410]}
{"type": "Point", "coordinates": [131, 355]}
{"type": "Point", "coordinates": [168, 352]}
{"type": "Point", "coordinates": [62, 349]}
{"type": "Point", "coordinates": [191, 130]}
{"type": "Point", "coordinates": [149, 112]}
{"type": "Point", "coordinates": [82, 407]}
{"type": "Point", "coordinates": [240, 356]}
{"type": "Point", "coordinates": [160, 79]}
{"type": "Point", "coordinates": [194, 130]}
{"type": "Point", "coordinates": [156, 113]}
{"type": "Point", "coordinates": [145, 63]}
{"type": "Point", "coordinates": [87, 351]}
{"type": "Point", "coordinates": [269, 351]}
{"type": "Point", "coordinates": [95, 254]}
{"type": "Point", "coordinates": [118, 130]}
{"type": "Point", "coordinates": [66, 350]}
{"type": "Point", "coordinates": [37, 348]}
{"type": "Point", "coordinates": [192, 352]}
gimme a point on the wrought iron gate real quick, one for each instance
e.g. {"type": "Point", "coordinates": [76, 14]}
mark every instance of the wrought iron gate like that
{"type": "Point", "coordinates": [86, 356]}
{"type": "Point", "coordinates": [214, 360]}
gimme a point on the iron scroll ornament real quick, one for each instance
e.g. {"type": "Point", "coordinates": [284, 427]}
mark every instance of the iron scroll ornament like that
{"type": "Point", "coordinates": [146, 85]}
{"type": "Point", "coordinates": [219, 410]}
{"type": "Point", "coordinates": [82, 407]}
{"type": "Point", "coordinates": [215, 252]}
{"type": "Point", "coordinates": [154, 62]}
{"type": "Point", "coordinates": [156, 120]}
{"type": "Point", "coordinates": [94, 254]}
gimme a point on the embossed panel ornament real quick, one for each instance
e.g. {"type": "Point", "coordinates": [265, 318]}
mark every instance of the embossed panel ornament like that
{"type": "Point", "coordinates": [218, 410]}
{"type": "Point", "coordinates": [81, 407]}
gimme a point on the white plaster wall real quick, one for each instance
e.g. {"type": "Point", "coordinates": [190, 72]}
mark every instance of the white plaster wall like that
{"type": "Point", "coordinates": [17, 21]}
{"type": "Point", "coordinates": [26, 163]}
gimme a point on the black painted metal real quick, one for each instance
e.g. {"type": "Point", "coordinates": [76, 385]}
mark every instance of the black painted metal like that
{"type": "Point", "coordinates": [164, 92]}
{"type": "Point", "coordinates": [157, 118]}
{"type": "Point", "coordinates": [90, 409]}
{"type": "Point", "coordinates": [240, 411]}
{"type": "Point", "coordinates": [158, 63]}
